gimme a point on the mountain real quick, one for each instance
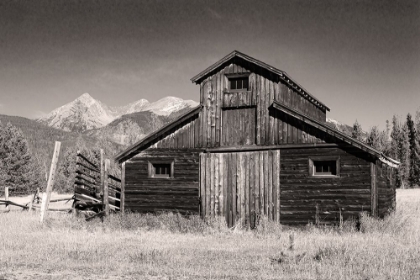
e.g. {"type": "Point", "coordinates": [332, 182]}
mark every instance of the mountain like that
{"type": "Point", "coordinates": [86, 113]}
{"type": "Point", "coordinates": [345, 128]}
{"type": "Point", "coordinates": [130, 128]}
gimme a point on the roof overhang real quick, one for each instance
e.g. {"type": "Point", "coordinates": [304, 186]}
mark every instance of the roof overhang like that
{"type": "Point", "coordinates": [143, 143]}
{"type": "Point", "coordinates": [281, 74]}
{"type": "Point", "coordinates": [335, 133]}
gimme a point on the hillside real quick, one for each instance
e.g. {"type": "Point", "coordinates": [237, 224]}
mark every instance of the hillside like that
{"type": "Point", "coordinates": [130, 128]}
{"type": "Point", "coordinates": [41, 138]}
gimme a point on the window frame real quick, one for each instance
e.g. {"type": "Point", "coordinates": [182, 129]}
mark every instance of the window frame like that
{"type": "Point", "coordinates": [312, 171]}
{"type": "Point", "coordinates": [152, 169]}
{"type": "Point", "coordinates": [231, 77]}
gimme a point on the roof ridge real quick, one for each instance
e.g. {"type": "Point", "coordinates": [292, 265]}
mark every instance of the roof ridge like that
{"type": "Point", "coordinates": [282, 74]}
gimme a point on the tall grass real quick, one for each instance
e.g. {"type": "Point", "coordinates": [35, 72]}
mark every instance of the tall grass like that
{"type": "Point", "coordinates": [169, 246]}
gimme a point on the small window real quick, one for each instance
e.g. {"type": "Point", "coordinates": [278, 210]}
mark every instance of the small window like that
{"type": "Point", "coordinates": [324, 167]}
{"type": "Point", "coordinates": [238, 83]}
{"type": "Point", "coordinates": [160, 170]}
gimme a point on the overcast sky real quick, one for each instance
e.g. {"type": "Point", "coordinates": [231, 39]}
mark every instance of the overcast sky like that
{"type": "Point", "coordinates": [361, 58]}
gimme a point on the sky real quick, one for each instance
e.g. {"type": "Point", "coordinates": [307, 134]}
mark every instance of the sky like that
{"type": "Point", "coordinates": [360, 58]}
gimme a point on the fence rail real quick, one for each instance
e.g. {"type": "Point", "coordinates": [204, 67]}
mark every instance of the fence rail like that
{"type": "Point", "coordinates": [95, 190]}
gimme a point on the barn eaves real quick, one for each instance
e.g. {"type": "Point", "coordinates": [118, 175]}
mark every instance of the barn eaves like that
{"type": "Point", "coordinates": [133, 149]}
{"type": "Point", "coordinates": [335, 133]}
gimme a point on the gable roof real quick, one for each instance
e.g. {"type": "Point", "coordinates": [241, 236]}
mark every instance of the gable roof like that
{"type": "Point", "coordinates": [282, 75]}
{"type": "Point", "coordinates": [133, 149]}
{"type": "Point", "coordinates": [335, 133]}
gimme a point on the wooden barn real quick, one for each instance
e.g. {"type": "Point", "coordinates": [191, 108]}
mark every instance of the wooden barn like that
{"type": "Point", "coordinates": [258, 144]}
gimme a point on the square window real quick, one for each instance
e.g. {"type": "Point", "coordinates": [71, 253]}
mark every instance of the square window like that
{"type": "Point", "coordinates": [324, 167]}
{"type": "Point", "coordinates": [161, 170]}
{"type": "Point", "coordinates": [238, 83]}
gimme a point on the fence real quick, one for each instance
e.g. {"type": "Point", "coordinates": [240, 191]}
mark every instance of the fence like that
{"type": "Point", "coordinates": [96, 191]}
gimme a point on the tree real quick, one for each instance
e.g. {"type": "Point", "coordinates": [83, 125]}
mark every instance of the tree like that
{"type": "Point", "coordinates": [18, 168]}
{"type": "Point", "coordinates": [357, 131]}
{"type": "Point", "coordinates": [414, 153]}
{"type": "Point", "coordinates": [404, 156]}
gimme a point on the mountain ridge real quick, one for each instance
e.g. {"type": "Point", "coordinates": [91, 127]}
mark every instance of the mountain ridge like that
{"type": "Point", "coordinates": [86, 113]}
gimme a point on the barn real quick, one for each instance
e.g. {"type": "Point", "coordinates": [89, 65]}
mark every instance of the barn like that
{"type": "Point", "coordinates": [257, 145]}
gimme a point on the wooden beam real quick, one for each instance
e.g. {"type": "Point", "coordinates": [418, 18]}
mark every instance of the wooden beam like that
{"type": "Point", "coordinates": [272, 147]}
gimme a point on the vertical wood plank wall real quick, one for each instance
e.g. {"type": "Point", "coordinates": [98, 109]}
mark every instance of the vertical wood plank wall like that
{"type": "Point", "coordinates": [263, 89]}
{"type": "Point", "coordinates": [238, 127]}
{"type": "Point", "coordinates": [240, 186]}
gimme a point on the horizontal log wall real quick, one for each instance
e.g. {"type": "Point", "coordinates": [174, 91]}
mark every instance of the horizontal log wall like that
{"type": "Point", "coordinates": [240, 186]}
{"type": "Point", "coordinates": [302, 193]}
{"type": "Point", "coordinates": [179, 194]}
{"type": "Point", "coordinates": [386, 190]}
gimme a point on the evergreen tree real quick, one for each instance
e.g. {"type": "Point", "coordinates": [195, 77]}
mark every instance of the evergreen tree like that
{"type": "Point", "coordinates": [404, 156]}
{"type": "Point", "coordinates": [19, 170]}
{"type": "Point", "coordinates": [357, 131]}
{"type": "Point", "coordinates": [374, 139]}
{"type": "Point", "coordinates": [394, 147]}
{"type": "Point", "coordinates": [414, 153]}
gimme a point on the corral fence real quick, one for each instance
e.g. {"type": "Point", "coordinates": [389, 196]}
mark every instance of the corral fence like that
{"type": "Point", "coordinates": [96, 191]}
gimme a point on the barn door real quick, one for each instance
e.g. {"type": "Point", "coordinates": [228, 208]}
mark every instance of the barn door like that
{"type": "Point", "coordinates": [238, 126]}
{"type": "Point", "coordinates": [240, 186]}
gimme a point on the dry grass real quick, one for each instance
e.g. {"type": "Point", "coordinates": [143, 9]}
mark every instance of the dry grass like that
{"type": "Point", "coordinates": [171, 247]}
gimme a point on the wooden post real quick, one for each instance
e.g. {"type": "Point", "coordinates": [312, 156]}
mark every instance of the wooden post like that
{"type": "Point", "coordinates": [6, 197]}
{"type": "Point", "coordinates": [122, 196]}
{"type": "Point", "coordinates": [43, 206]}
{"type": "Point", "coordinates": [102, 171]}
{"type": "Point", "coordinates": [373, 190]}
{"type": "Point", "coordinates": [105, 199]}
{"type": "Point", "coordinates": [47, 196]}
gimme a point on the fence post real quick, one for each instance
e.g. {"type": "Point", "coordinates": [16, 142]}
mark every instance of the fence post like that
{"type": "Point", "coordinates": [47, 196]}
{"type": "Point", "coordinates": [105, 199]}
{"type": "Point", "coordinates": [122, 196]}
{"type": "Point", "coordinates": [6, 197]}
{"type": "Point", "coordinates": [102, 167]}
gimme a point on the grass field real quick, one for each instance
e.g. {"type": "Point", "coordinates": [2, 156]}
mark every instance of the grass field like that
{"type": "Point", "coordinates": [170, 247]}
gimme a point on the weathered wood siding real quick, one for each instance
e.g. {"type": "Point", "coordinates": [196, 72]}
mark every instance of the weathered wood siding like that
{"type": "Point", "coordinates": [302, 193]}
{"type": "Point", "coordinates": [264, 87]}
{"type": "Point", "coordinates": [186, 135]}
{"type": "Point", "coordinates": [386, 189]}
{"type": "Point", "coordinates": [179, 194]}
{"type": "Point", "coordinates": [235, 120]}
{"type": "Point", "coordinates": [240, 186]}
{"type": "Point", "coordinates": [238, 127]}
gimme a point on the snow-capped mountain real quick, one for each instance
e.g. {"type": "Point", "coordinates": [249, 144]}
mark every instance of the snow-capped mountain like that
{"type": "Point", "coordinates": [87, 113]}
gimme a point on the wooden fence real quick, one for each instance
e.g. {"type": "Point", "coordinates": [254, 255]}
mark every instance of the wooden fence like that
{"type": "Point", "coordinates": [95, 189]}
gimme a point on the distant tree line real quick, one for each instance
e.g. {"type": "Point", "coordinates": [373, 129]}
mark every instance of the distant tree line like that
{"type": "Point", "coordinates": [24, 170]}
{"type": "Point", "coordinates": [400, 142]}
